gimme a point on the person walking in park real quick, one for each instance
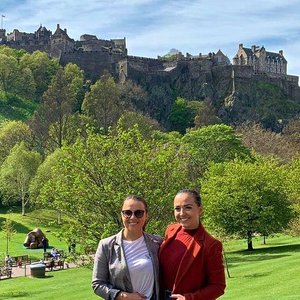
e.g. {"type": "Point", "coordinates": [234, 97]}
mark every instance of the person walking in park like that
{"type": "Point", "coordinates": [191, 260]}
{"type": "Point", "coordinates": [126, 264]}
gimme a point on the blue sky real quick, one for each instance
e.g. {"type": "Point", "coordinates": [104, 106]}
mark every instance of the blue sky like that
{"type": "Point", "coordinates": [153, 27]}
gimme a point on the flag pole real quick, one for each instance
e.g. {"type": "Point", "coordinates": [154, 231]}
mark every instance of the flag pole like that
{"type": "Point", "coordinates": [2, 16]}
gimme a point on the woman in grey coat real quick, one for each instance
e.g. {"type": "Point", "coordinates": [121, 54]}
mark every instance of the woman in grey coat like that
{"type": "Point", "coordinates": [126, 264]}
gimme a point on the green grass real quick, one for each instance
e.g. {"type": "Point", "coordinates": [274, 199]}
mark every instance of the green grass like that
{"type": "Point", "coordinates": [44, 219]}
{"type": "Point", "coordinates": [68, 284]}
{"type": "Point", "coordinates": [271, 271]}
{"type": "Point", "coordinates": [13, 107]}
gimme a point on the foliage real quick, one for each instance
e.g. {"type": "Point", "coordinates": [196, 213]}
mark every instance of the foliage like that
{"type": "Point", "coordinates": [95, 175]}
{"type": "Point", "coordinates": [293, 188]}
{"type": "Point", "coordinates": [245, 198]}
{"type": "Point", "coordinates": [53, 121]}
{"type": "Point", "coordinates": [102, 103]}
{"type": "Point", "coordinates": [133, 97]}
{"type": "Point", "coordinates": [145, 124]}
{"type": "Point", "coordinates": [9, 231]}
{"type": "Point", "coordinates": [42, 67]}
{"type": "Point", "coordinates": [181, 116]}
{"type": "Point", "coordinates": [16, 173]}
{"type": "Point", "coordinates": [12, 133]}
{"type": "Point", "coordinates": [266, 142]}
{"type": "Point", "coordinates": [217, 143]}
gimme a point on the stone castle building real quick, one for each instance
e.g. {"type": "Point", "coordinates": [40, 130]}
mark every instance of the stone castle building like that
{"type": "Point", "coordinates": [262, 61]}
{"type": "Point", "coordinates": [96, 56]}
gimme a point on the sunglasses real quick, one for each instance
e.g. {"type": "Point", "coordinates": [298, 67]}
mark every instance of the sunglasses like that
{"type": "Point", "coordinates": [137, 213]}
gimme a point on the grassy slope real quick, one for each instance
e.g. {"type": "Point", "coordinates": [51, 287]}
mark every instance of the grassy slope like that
{"type": "Point", "coordinates": [15, 108]}
{"type": "Point", "coordinates": [271, 271]}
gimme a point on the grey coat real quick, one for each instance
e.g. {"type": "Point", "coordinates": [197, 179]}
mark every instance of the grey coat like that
{"type": "Point", "coordinates": [111, 274]}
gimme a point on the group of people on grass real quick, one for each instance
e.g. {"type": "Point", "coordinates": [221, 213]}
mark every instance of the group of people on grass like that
{"type": "Point", "coordinates": [186, 265]}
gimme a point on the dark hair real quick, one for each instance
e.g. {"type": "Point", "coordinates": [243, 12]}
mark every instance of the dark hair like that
{"type": "Point", "coordinates": [137, 198]}
{"type": "Point", "coordinates": [194, 193]}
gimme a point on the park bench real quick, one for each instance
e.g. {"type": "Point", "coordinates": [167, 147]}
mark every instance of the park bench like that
{"type": "Point", "coordinates": [52, 262]}
{"type": "Point", "coordinates": [5, 271]}
{"type": "Point", "coordinates": [19, 261]}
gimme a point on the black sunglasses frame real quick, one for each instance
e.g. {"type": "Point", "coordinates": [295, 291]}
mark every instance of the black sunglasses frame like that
{"type": "Point", "coordinates": [127, 213]}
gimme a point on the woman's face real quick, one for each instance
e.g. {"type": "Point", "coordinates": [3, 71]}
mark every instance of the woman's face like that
{"type": "Point", "coordinates": [186, 211]}
{"type": "Point", "coordinates": [134, 215]}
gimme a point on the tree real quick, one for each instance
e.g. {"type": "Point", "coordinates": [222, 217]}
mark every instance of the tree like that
{"type": "Point", "coordinates": [266, 142]}
{"type": "Point", "coordinates": [16, 173]}
{"type": "Point", "coordinates": [8, 72]}
{"type": "Point", "coordinates": [293, 188]}
{"type": "Point", "coordinates": [43, 69]}
{"type": "Point", "coordinates": [242, 198]}
{"type": "Point", "coordinates": [133, 97]}
{"type": "Point", "coordinates": [214, 143]}
{"type": "Point", "coordinates": [145, 124]}
{"type": "Point", "coordinates": [12, 133]}
{"type": "Point", "coordinates": [102, 103]}
{"type": "Point", "coordinates": [181, 116]}
{"type": "Point", "coordinates": [95, 175]}
{"type": "Point", "coordinates": [206, 114]}
{"type": "Point", "coordinates": [9, 231]}
{"type": "Point", "coordinates": [51, 122]}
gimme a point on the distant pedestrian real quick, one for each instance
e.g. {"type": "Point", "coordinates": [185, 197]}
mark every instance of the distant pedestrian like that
{"type": "Point", "coordinates": [45, 244]}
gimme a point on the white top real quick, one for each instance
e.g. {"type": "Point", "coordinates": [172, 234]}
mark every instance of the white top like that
{"type": "Point", "coordinates": [140, 266]}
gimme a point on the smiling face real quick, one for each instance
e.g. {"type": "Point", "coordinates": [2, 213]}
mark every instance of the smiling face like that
{"type": "Point", "coordinates": [187, 211]}
{"type": "Point", "coordinates": [133, 225]}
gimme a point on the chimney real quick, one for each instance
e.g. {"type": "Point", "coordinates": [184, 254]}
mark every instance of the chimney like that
{"type": "Point", "coordinates": [281, 52]}
{"type": "Point", "coordinates": [57, 27]}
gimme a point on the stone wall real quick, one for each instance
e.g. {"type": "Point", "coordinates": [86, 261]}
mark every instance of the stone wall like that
{"type": "Point", "coordinates": [93, 63]}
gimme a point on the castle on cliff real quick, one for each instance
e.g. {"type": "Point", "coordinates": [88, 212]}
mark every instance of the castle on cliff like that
{"type": "Point", "coordinates": [96, 56]}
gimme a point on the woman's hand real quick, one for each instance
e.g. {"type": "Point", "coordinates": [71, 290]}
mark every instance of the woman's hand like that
{"type": "Point", "coordinates": [130, 296]}
{"type": "Point", "coordinates": [177, 296]}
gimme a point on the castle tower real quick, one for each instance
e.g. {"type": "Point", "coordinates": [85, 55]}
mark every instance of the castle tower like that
{"type": "Point", "coordinates": [2, 35]}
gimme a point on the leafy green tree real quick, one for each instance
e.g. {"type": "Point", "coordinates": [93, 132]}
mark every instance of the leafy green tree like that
{"type": "Point", "coordinates": [75, 80]}
{"type": "Point", "coordinates": [146, 125]}
{"type": "Point", "coordinates": [42, 67]}
{"type": "Point", "coordinates": [102, 103]}
{"type": "Point", "coordinates": [181, 116]}
{"type": "Point", "coordinates": [293, 188]}
{"type": "Point", "coordinates": [8, 73]}
{"type": "Point", "coordinates": [242, 198]}
{"type": "Point", "coordinates": [9, 231]}
{"type": "Point", "coordinates": [214, 143]}
{"type": "Point", "coordinates": [17, 171]}
{"type": "Point", "coordinates": [94, 176]}
{"type": "Point", "coordinates": [12, 133]}
{"type": "Point", "coordinates": [51, 122]}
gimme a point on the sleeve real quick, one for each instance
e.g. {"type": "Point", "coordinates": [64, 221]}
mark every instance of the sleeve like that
{"type": "Point", "coordinates": [101, 280]}
{"type": "Point", "coordinates": [215, 275]}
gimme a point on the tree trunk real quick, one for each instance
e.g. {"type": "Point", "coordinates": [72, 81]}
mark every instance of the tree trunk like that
{"type": "Point", "coordinates": [249, 239]}
{"type": "Point", "coordinates": [23, 205]}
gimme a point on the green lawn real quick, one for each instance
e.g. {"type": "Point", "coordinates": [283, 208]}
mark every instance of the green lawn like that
{"type": "Point", "coordinates": [271, 271]}
{"type": "Point", "coordinates": [43, 219]}
{"type": "Point", "coordinates": [68, 284]}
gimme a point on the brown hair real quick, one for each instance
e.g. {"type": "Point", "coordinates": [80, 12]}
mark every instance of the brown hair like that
{"type": "Point", "coordinates": [194, 194]}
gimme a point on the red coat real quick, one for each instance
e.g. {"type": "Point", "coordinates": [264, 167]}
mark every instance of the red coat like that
{"type": "Point", "coordinates": [201, 271]}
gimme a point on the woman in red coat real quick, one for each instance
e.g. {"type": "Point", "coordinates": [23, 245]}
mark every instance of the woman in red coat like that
{"type": "Point", "coordinates": [191, 260]}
